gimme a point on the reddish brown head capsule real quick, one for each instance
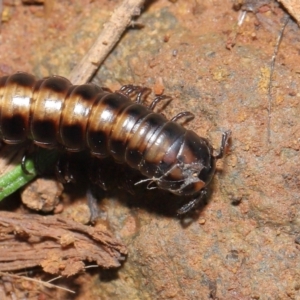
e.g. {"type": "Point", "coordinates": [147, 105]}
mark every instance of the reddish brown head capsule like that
{"type": "Point", "coordinates": [53, 112]}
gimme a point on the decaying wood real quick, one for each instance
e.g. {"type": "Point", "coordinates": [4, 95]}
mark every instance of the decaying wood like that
{"type": "Point", "coordinates": [59, 245]}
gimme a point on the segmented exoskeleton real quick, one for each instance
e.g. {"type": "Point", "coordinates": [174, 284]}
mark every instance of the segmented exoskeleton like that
{"type": "Point", "coordinates": [52, 112]}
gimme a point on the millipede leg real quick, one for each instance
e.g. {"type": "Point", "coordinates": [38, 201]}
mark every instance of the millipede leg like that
{"type": "Point", "coordinates": [92, 204]}
{"type": "Point", "coordinates": [59, 172]}
{"type": "Point", "coordinates": [104, 172]}
{"type": "Point", "coordinates": [191, 204]}
{"type": "Point", "coordinates": [63, 170]}
{"type": "Point", "coordinates": [130, 89]}
{"type": "Point", "coordinates": [183, 114]}
{"type": "Point", "coordinates": [158, 99]}
{"type": "Point", "coordinates": [144, 91]}
{"type": "Point", "coordinates": [225, 137]}
{"type": "Point", "coordinates": [126, 89]}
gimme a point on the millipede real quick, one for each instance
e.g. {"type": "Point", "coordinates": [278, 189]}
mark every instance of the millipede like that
{"type": "Point", "coordinates": [53, 113]}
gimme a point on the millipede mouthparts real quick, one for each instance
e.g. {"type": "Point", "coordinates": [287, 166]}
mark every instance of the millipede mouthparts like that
{"type": "Point", "coordinates": [54, 113]}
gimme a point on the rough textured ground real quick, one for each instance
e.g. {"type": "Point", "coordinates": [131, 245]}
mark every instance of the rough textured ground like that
{"type": "Point", "coordinates": [241, 245]}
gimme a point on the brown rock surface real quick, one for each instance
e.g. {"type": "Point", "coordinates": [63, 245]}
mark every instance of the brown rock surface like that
{"type": "Point", "coordinates": [241, 251]}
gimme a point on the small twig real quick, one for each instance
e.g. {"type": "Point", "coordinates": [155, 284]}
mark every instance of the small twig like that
{"type": "Point", "coordinates": [91, 267]}
{"type": "Point", "coordinates": [46, 284]}
{"type": "Point", "coordinates": [279, 38]}
{"type": "Point", "coordinates": [105, 42]}
{"type": "Point", "coordinates": [53, 279]}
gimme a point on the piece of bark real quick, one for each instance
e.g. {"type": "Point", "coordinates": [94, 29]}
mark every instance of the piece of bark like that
{"type": "Point", "coordinates": [293, 7]}
{"type": "Point", "coordinates": [59, 245]}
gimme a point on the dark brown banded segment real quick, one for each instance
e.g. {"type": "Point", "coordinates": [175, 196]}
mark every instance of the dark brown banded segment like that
{"type": "Point", "coordinates": [169, 137]}
{"type": "Point", "coordinates": [102, 122]}
{"type": "Point", "coordinates": [46, 110]}
{"type": "Point", "coordinates": [141, 135]}
{"type": "Point", "coordinates": [15, 103]}
{"type": "Point", "coordinates": [75, 116]}
{"type": "Point", "coordinates": [125, 127]}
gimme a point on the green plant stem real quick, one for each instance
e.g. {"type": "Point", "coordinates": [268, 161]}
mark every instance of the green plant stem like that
{"type": "Point", "coordinates": [16, 178]}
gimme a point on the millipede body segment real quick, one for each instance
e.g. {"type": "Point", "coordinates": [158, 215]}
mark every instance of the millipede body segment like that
{"type": "Point", "coordinates": [54, 113]}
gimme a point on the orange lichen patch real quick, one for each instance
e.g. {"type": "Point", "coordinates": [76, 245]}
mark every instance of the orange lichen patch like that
{"type": "Point", "coordinates": [264, 79]}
